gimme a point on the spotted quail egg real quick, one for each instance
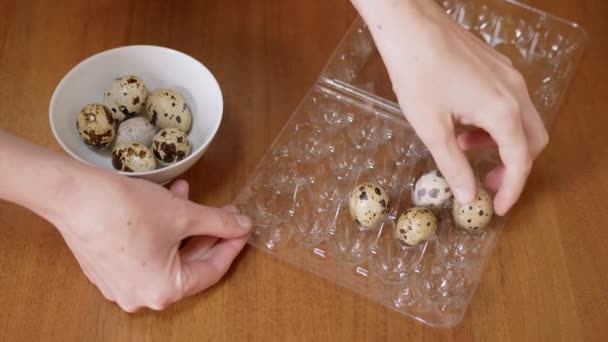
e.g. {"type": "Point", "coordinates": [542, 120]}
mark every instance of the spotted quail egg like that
{"type": "Point", "coordinates": [136, 129]}
{"type": "Point", "coordinates": [96, 126]}
{"type": "Point", "coordinates": [125, 97]}
{"type": "Point", "coordinates": [431, 190]}
{"type": "Point", "coordinates": [166, 108]}
{"type": "Point", "coordinates": [475, 215]}
{"type": "Point", "coordinates": [170, 145]}
{"type": "Point", "coordinates": [133, 157]}
{"type": "Point", "coordinates": [415, 225]}
{"type": "Point", "coordinates": [368, 203]}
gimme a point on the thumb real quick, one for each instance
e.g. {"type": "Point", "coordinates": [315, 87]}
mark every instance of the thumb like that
{"type": "Point", "coordinates": [180, 188]}
{"type": "Point", "coordinates": [200, 273]}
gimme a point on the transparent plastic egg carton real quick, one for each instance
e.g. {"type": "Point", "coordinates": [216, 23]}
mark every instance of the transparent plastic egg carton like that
{"type": "Point", "coordinates": [348, 129]}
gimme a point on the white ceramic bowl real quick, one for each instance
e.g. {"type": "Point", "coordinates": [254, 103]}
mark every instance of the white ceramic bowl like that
{"type": "Point", "coordinates": [158, 67]}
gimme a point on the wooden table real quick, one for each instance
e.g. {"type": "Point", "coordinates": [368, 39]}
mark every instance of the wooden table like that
{"type": "Point", "coordinates": [546, 281]}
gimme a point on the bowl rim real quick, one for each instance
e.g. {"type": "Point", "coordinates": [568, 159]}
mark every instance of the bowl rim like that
{"type": "Point", "coordinates": [91, 59]}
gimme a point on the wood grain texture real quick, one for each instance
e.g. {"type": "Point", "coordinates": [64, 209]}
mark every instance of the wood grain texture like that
{"type": "Point", "coordinates": [546, 281]}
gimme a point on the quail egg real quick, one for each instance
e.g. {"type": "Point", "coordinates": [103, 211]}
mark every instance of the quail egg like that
{"type": "Point", "coordinates": [166, 108]}
{"type": "Point", "coordinates": [475, 215]}
{"type": "Point", "coordinates": [431, 190]}
{"type": "Point", "coordinates": [415, 225]}
{"type": "Point", "coordinates": [133, 157]}
{"type": "Point", "coordinates": [368, 203]}
{"type": "Point", "coordinates": [125, 97]}
{"type": "Point", "coordinates": [170, 145]}
{"type": "Point", "coordinates": [136, 129]}
{"type": "Point", "coordinates": [96, 126]}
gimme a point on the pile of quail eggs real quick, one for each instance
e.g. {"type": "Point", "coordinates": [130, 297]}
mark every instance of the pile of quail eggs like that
{"type": "Point", "coordinates": [145, 130]}
{"type": "Point", "coordinates": [368, 205]}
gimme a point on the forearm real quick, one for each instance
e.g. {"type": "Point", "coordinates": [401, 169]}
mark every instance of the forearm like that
{"type": "Point", "coordinates": [34, 177]}
{"type": "Point", "coordinates": [396, 25]}
{"type": "Point", "coordinates": [388, 17]}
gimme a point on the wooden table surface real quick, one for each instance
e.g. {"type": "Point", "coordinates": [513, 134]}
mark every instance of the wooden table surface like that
{"type": "Point", "coordinates": [546, 281]}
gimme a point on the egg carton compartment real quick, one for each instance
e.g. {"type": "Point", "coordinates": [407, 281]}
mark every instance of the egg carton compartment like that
{"type": "Point", "coordinates": [348, 130]}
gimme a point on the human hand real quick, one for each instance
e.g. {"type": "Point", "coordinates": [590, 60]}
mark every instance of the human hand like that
{"type": "Point", "coordinates": [126, 234]}
{"type": "Point", "coordinates": [443, 76]}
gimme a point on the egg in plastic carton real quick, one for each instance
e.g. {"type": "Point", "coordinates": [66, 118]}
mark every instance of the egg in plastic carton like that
{"type": "Point", "coordinates": [348, 131]}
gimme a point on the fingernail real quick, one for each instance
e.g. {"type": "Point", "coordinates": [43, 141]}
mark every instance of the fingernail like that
{"type": "Point", "coordinates": [243, 221]}
{"type": "Point", "coordinates": [463, 196]}
{"type": "Point", "coordinates": [499, 209]}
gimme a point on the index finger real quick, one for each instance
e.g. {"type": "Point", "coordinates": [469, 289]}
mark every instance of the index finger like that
{"type": "Point", "coordinates": [514, 152]}
{"type": "Point", "coordinates": [208, 221]}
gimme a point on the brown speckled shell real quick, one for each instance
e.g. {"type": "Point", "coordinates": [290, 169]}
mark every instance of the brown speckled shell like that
{"type": "Point", "coordinates": [415, 225]}
{"type": "Point", "coordinates": [170, 146]}
{"type": "Point", "coordinates": [368, 203]}
{"type": "Point", "coordinates": [167, 108]}
{"type": "Point", "coordinates": [125, 97]}
{"type": "Point", "coordinates": [133, 157]}
{"type": "Point", "coordinates": [96, 126]}
{"type": "Point", "coordinates": [475, 215]}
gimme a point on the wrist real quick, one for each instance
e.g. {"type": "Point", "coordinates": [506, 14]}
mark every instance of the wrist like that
{"type": "Point", "coordinates": [388, 11]}
{"type": "Point", "coordinates": [401, 29]}
{"type": "Point", "coordinates": [391, 21]}
{"type": "Point", "coordinates": [35, 178]}
{"type": "Point", "coordinates": [61, 179]}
